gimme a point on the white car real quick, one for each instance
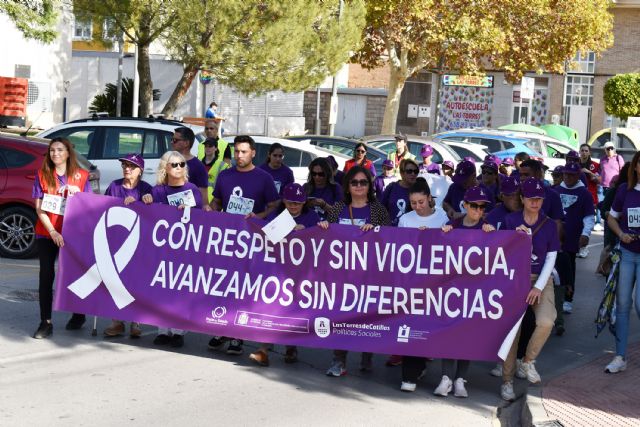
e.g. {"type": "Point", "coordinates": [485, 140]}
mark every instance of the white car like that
{"type": "Point", "coordinates": [104, 140]}
{"type": "Point", "coordinates": [467, 149]}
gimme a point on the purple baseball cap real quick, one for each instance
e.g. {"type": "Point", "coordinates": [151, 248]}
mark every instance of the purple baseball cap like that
{"type": "Point", "coordinates": [134, 158]}
{"type": "Point", "coordinates": [508, 162]}
{"type": "Point", "coordinates": [426, 150]}
{"type": "Point", "coordinates": [434, 168]}
{"type": "Point", "coordinates": [448, 163]}
{"type": "Point", "coordinates": [476, 194]}
{"type": "Point", "coordinates": [464, 170]}
{"type": "Point", "coordinates": [572, 155]}
{"type": "Point", "coordinates": [489, 164]}
{"type": "Point", "coordinates": [509, 185]}
{"type": "Point", "coordinates": [294, 193]}
{"type": "Point", "coordinates": [388, 163]}
{"type": "Point", "coordinates": [572, 168]}
{"type": "Point", "coordinates": [493, 158]}
{"type": "Point", "coordinates": [470, 159]}
{"type": "Point", "coordinates": [558, 170]}
{"type": "Point", "coordinates": [532, 188]}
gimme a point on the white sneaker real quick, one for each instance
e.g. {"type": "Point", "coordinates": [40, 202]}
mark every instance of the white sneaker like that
{"type": "Point", "coordinates": [458, 388]}
{"type": "Point", "coordinates": [497, 371]}
{"type": "Point", "coordinates": [406, 386]}
{"type": "Point", "coordinates": [506, 391]}
{"type": "Point", "coordinates": [530, 370]}
{"type": "Point", "coordinates": [337, 369]}
{"type": "Point", "coordinates": [567, 307]}
{"type": "Point", "coordinates": [520, 372]}
{"type": "Point", "coordinates": [583, 252]}
{"type": "Point", "coordinates": [598, 227]}
{"type": "Point", "coordinates": [444, 388]}
{"type": "Point", "coordinates": [618, 364]}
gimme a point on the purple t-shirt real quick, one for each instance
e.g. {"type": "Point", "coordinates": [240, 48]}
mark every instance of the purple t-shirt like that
{"type": "Point", "coordinates": [381, 183]}
{"type": "Point", "coordinates": [396, 200]}
{"type": "Point", "coordinates": [459, 223]}
{"type": "Point", "coordinates": [281, 176]}
{"type": "Point", "coordinates": [330, 194]}
{"type": "Point", "coordinates": [255, 185]}
{"type": "Point", "coordinates": [627, 205]}
{"type": "Point", "coordinates": [577, 203]}
{"type": "Point", "coordinates": [361, 216]}
{"type": "Point", "coordinates": [455, 197]}
{"type": "Point", "coordinates": [309, 218]}
{"type": "Point", "coordinates": [552, 205]}
{"type": "Point", "coordinates": [37, 193]}
{"type": "Point", "coordinates": [497, 215]}
{"type": "Point", "coordinates": [198, 173]}
{"type": "Point", "coordinates": [543, 241]}
{"type": "Point", "coordinates": [161, 192]}
{"type": "Point", "coordinates": [115, 189]}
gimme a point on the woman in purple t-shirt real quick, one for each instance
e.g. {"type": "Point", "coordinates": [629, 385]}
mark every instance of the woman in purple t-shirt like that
{"type": "Point", "coordinates": [359, 208]}
{"type": "Point", "coordinates": [475, 202]}
{"type": "Point", "coordinates": [322, 192]}
{"type": "Point", "coordinates": [624, 222]}
{"type": "Point", "coordinates": [545, 245]}
{"type": "Point", "coordinates": [131, 188]}
{"type": "Point", "coordinates": [282, 174]}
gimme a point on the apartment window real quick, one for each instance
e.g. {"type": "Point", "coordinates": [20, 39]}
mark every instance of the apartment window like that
{"type": "Point", "coordinates": [109, 29]}
{"type": "Point", "coordinates": [578, 90]}
{"type": "Point", "coordinates": [82, 28]}
{"type": "Point", "coordinates": [583, 63]}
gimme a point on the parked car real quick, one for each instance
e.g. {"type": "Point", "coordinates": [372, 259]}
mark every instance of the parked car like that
{"type": "Point", "coordinates": [344, 146]}
{"type": "Point", "coordinates": [467, 149]}
{"type": "Point", "coordinates": [627, 143]}
{"type": "Point", "coordinates": [387, 143]}
{"type": "Point", "coordinates": [20, 159]}
{"type": "Point", "coordinates": [104, 140]}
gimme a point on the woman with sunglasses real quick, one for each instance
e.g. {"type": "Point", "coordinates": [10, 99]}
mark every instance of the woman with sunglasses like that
{"type": "Point", "coordinates": [173, 188]}
{"type": "Point", "coordinates": [476, 201]}
{"type": "Point", "coordinates": [359, 159]}
{"type": "Point", "coordinates": [321, 190]}
{"type": "Point", "coordinates": [59, 178]}
{"type": "Point", "coordinates": [359, 208]}
{"type": "Point", "coordinates": [395, 198]}
{"type": "Point", "coordinates": [545, 245]}
{"type": "Point", "coordinates": [131, 188]}
{"type": "Point", "coordinates": [282, 174]}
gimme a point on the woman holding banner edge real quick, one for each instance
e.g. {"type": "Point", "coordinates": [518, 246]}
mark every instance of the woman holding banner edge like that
{"type": "Point", "coordinates": [173, 188]}
{"type": "Point", "coordinates": [359, 208]}
{"type": "Point", "coordinates": [475, 202]}
{"type": "Point", "coordinates": [59, 178]}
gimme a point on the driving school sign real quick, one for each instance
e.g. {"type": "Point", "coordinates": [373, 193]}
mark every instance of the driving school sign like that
{"type": "Point", "coordinates": [399, 291]}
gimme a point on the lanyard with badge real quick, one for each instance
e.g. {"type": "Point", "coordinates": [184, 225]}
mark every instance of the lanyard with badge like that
{"type": "Point", "coordinates": [53, 203]}
{"type": "Point", "coordinates": [238, 204]}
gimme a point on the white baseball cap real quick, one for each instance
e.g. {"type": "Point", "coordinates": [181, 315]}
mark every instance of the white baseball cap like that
{"type": "Point", "coordinates": [608, 144]}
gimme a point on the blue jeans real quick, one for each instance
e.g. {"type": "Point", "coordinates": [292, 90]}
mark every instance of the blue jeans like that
{"type": "Point", "coordinates": [629, 273]}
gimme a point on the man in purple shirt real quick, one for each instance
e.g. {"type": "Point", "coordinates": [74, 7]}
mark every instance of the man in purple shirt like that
{"type": "Point", "coordinates": [463, 179]}
{"type": "Point", "coordinates": [510, 197]}
{"type": "Point", "coordinates": [182, 142]}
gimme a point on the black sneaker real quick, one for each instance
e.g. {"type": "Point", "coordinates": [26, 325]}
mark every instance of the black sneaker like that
{"type": "Point", "coordinates": [76, 322]}
{"type": "Point", "coordinates": [177, 341]}
{"type": "Point", "coordinates": [44, 330]}
{"type": "Point", "coordinates": [235, 347]}
{"type": "Point", "coordinates": [216, 343]}
{"type": "Point", "coordinates": [559, 330]}
{"type": "Point", "coordinates": [162, 339]}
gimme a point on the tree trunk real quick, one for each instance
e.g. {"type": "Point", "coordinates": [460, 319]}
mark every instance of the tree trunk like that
{"type": "Point", "coordinates": [181, 88]}
{"type": "Point", "coordinates": [397, 80]}
{"type": "Point", "coordinates": [146, 84]}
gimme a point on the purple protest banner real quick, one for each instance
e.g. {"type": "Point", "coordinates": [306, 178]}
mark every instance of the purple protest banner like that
{"type": "Point", "coordinates": [396, 291]}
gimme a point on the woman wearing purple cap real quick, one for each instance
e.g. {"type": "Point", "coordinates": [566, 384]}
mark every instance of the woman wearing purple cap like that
{"type": "Point", "coordinates": [489, 176]}
{"type": "Point", "coordinates": [395, 198]}
{"type": "Point", "coordinates": [624, 222]}
{"type": "Point", "coordinates": [545, 245]}
{"type": "Point", "coordinates": [506, 166]}
{"type": "Point", "coordinates": [463, 180]}
{"type": "Point", "coordinates": [382, 181]}
{"type": "Point", "coordinates": [131, 188]}
{"type": "Point", "coordinates": [322, 192]}
{"type": "Point", "coordinates": [475, 202]}
{"type": "Point", "coordinates": [173, 188]}
{"type": "Point", "coordinates": [510, 198]}
{"type": "Point", "coordinates": [427, 154]}
{"type": "Point", "coordinates": [274, 166]}
{"type": "Point", "coordinates": [359, 208]}
{"type": "Point", "coordinates": [447, 169]}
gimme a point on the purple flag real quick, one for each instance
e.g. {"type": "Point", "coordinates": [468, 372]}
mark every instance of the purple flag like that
{"type": "Point", "coordinates": [389, 290]}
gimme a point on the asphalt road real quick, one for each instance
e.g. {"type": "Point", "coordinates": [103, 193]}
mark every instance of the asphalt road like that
{"type": "Point", "coordinates": [77, 379]}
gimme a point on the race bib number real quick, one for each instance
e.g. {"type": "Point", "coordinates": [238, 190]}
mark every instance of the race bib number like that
{"type": "Point", "coordinates": [182, 198]}
{"type": "Point", "coordinates": [239, 205]}
{"type": "Point", "coordinates": [356, 221]}
{"type": "Point", "coordinates": [53, 204]}
{"type": "Point", "coordinates": [633, 217]}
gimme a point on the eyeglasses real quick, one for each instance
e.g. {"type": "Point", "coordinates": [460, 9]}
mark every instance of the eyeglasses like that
{"type": "Point", "coordinates": [359, 183]}
{"type": "Point", "coordinates": [411, 171]}
{"type": "Point", "coordinates": [361, 151]}
{"type": "Point", "coordinates": [174, 140]}
{"type": "Point", "coordinates": [128, 165]}
{"type": "Point", "coordinates": [610, 148]}
{"type": "Point", "coordinates": [319, 174]}
{"type": "Point", "coordinates": [181, 164]}
{"type": "Point", "coordinates": [477, 206]}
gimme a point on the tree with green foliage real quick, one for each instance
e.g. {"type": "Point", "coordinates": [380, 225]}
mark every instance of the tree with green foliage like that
{"type": "Point", "coordinates": [106, 102]}
{"type": "Point", "coordinates": [471, 36]}
{"type": "Point", "coordinates": [36, 19]}
{"type": "Point", "coordinates": [622, 96]}
{"type": "Point", "coordinates": [257, 46]}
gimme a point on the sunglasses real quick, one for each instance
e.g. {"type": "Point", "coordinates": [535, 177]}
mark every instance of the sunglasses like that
{"type": "Point", "coordinates": [477, 206]}
{"type": "Point", "coordinates": [411, 171]}
{"type": "Point", "coordinates": [489, 172]}
{"type": "Point", "coordinates": [181, 164]}
{"type": "Point", "coordinates": [320, 174]}
{"type": "Point", "coordinates": [128, 165]}
{"type": "Point", "coordinates": [610, 148]}
{"type": "Point", "coordinates": [359, 183]}
{"type": "Point", "coordinates": [361, 151]}
{"type": "Point", "coordinates": [174, 140]}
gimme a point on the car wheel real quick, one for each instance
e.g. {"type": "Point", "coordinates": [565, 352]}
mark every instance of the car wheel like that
{"type": "Point", "coordinates": [17, 232]}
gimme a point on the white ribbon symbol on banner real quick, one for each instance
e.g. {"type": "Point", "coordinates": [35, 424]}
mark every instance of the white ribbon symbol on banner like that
{"type": "Point", "coordinates": [104, 270]}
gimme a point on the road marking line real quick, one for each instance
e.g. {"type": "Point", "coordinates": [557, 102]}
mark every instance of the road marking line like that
{"type": "Point", "coordinates": [19, 265]}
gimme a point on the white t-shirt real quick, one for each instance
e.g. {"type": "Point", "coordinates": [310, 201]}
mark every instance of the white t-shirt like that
{"type": "Point", "coordinates": [438, 186]}
{"type": "Point", "coordinates": [412, 220]}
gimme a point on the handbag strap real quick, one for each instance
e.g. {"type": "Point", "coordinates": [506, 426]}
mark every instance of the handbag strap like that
{"type": "Point", "coordinates": [539, 226]}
